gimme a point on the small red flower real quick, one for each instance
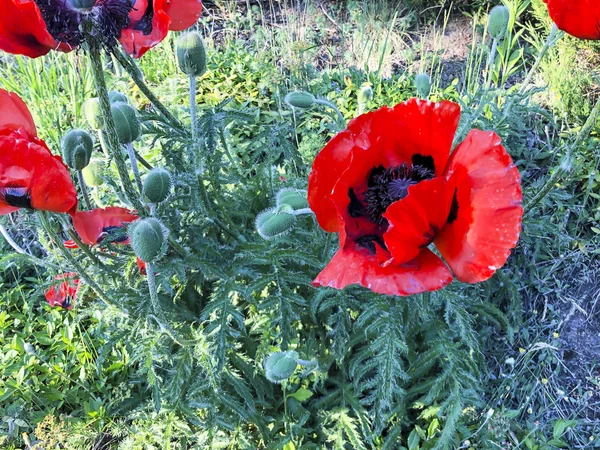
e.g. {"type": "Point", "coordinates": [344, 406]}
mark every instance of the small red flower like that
{"type": "Point", "coordinates": [390, 187]}
{"type": "Point", "coordinates": [63, 294]}
{"type": "Point", "coordinates": [579, 18]}
{"type": "Point", "coordinates": [93, 227]}
{"type": "Point", "coordinates": [34, 27]}
{"type": "Point", "coordinates": [30, 176]}
{"type": "Point", "coordinates": [141, 266]}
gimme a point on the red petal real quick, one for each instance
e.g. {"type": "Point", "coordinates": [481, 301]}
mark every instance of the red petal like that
{"type": "Point", "coordinates": [488, 222]}
{"type": "Point", "coordinates": [579, 18]}
{"type": "Point", "coordinates": [135, 42]}
{"type": "Point", "coordinates": [183, 13]}
{"type": "Point", "coordinates": [415, 221]}
{"type": "Point", "coordinates": [22, 29]}
{"type": "Point", "coordinates": [14, 114]}
{"type": "Point", "coordinates": [60, 293]}
{"type": "Point", "coordinates": [90, 225]}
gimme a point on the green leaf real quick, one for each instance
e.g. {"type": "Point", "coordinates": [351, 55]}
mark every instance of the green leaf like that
{"type": "Point", "coordinates": [301, 394]}
{"type": "Point", "coordinates": [561, 425]}
{"type": "Point", "coordinates": [413, 440]}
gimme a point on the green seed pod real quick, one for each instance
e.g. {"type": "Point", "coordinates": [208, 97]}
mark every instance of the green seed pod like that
{"type": "Point", "coordinates": [365, 94]}
{"type": "Point", "coordinates": [280, 366]}
{"type": "Point", "coordinates": [191, 54]}
{"type": "Point", "coordinates": [275, 222]}
{"type": "Point", "coordinates": [157, 185]}
{"type": "Point", "coordinates": [148, 239]}
{"type": "Point", "coordinates": [92, 174]}
{"type": "Point", "coordinates": [298, 99]}
{"type": "Point", "coordinates": [77, 147]}
{"type": "Point", "coordinates": [93, 113]}
{"type": "Point", "coordinates": [423, 84]}
{"type": "Point", "coordinates": [116, 97]}
{"type": "Point", "coordinates": [498, 21]}
{"type": "Point", "coordinates": [82, 4]}
{"type": "Point", "coordinates": [292, 197]}
{"type": "Point", "coordinates": [126, 122]}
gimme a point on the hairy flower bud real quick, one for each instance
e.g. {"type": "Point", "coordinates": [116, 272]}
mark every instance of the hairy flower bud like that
{"type": "Point", "coordinates": [116, 97]}
{"type": "Point", "coordinates": [498, 21]}
{"type": "Point", "coordinates": [157, 185]}
{"type": "Point", "coordinates": [127, 123]}
{"type": "Point", "coordinates": [275, 222]}
{"type": "Point", "coordinates": [423, 84]}
{"type": "Point", "coordinates": [92, 174]}
{"type": "Point", "coordinates": [292, 197]}
{"type": "Point", "coordinates": [93, 113]}
{"type": "Point", "coordinates": [365, 94]}
{"type": "Point", "coordinates": [281, 365]}
{"type": "Point", "coordinates": [77, 147]}
{"type": "Point", "coordinates": [191, 54]}
{"type": "Point", "coordinates": [148, 239]}
{"type": "Point", "coordinates": [298, 99]}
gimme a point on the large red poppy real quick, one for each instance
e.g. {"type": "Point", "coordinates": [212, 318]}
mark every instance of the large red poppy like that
{"type": "Point", "coordinates": [390, 187]}
{"type": "Point", "coordinates": [93, 227]}
{"type": "Point", "coordinates": [64, 292]}
{"type": "Point", "coordinates": [34, 27]}
{"type": "Point", "coordinates": [579, 18]}
{"type": "Point", "coordinates": [30, 176]}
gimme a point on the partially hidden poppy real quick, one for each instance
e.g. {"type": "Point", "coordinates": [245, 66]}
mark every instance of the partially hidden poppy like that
{"type": "Point", "coordinates": [579, 18]}
{"type": "Point", "coordinates": [102, 225]}
{"type": "Point", "coordinates": [34, 27]}
{"type": "Point", "coordinates": [390, 187]}
{"type": "Point", "coordinates": [30, 176]}
{"type": "Point", "coordinates": [64, 292]}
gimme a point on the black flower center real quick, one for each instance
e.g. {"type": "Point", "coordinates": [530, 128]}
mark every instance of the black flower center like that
{"type": "Point", "coordinates": [113, 233]}
{"type": "Point", "coordinates": [19, 197]}
{"type": "Point", "coordinates": [62, 20]}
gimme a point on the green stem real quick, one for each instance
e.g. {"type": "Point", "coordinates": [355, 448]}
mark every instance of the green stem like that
{"type": "Point", "coordinates": [302, 211]}
{"type": "Point", "coordinates": [84, 248]}
{"type": "Point", "coordinates": [136, 75]}
{"type": "Point", "coordinates": [550, 41]}
{"type": "Point", "coordinates": [21, 251]}
{"type": "Point", "coordinates": [134, 166]}
{"type": "Point", "coordinates": [228, 153]}
{"type": "Point", "coordinates": [490, 64]}
{"type": "Point", "coordinates": [152, 287]}
{"type": "Point", "coordinates": [84, 191]}
{"type": "Point", "coordinates": [111, 133]}
{"type": "Point", "coordinates": [193, 108]}
{"type": "Point", "coordinates": [104, 143]}
{"type": "Point", "coordinates": [333, 107]}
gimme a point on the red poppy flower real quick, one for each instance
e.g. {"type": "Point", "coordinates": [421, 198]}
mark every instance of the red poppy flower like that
{"type": "Point", "coordinates": [141, 266]}
{"type": "Point", "coordinates": [63, 294]}
{"type": "Point", "coordinates": [34, 27]}
{"type": "Point", "coordinates": [390, 187]}
{"type": "Point", "coordinates": [30, 176]}
{"type": "Point", "coordinates": [579, 18]}
{"type": "Point", "coordinates": [93, 227]}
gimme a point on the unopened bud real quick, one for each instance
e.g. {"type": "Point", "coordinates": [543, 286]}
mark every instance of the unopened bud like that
{"type": "Point", "coordinates": [148, 239]}
{"type": "Point", "coordinates": [423, 84]}
{"type": "Point", "coordinates": [127, 123]}
{"type": "Point", "coordinates": [191, 54]}
{"type": "Point", "coordinates": [498, 21]}
{"type": "Point", "coordinates": [157, 185]}
{"type": "Point", "coordinates": [116, 97]}
{"type": "Point", "coordinates": [275, 222]}
{"type": "Point", "coordinates": [281, 365]}
{"type": "Point", "coordinates": [302, 100]}
{"type": "Point", "coordinates": [292, 197]}
{"type": "Point", "coordinates": [365, 94]}
{"type": "Point", "coordinates": [77, 147]}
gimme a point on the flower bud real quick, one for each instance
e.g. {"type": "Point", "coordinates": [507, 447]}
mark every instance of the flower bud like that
{"type": "Point", "coordinates": [148, 239]}
{"type": "Point", "coordinates": [365, 94]}
{"type": "Point", "coordinates": [191, 54]}
{"type": "Point", "coordinates": [93, 113]}
{"type": "Point", "coordinates": [275, 222]}
{"type": "Point", "coordinates": [423, 84]}
{"type": "Point", "coordinates": [92, 174]}
{"type": "Point", "coordinates": [298, 99]}
{"type": "Point", "coordinates": [77, 147]}
{"type": "Point", "coordinates": [292, 197]}
{"type": "Point", "coordinates": [498, 21]}
{"type": "Point", "coordinates": [280, 366]}
{"type": "Point", "coordinates": [127, 123]}
{"type": "Point", "coordinates": [157, 185]}
{"type": "Point", "coordinates": [116, 97]}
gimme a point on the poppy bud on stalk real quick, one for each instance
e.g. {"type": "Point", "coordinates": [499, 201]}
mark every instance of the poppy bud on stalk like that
{"type": "Point", "coordinates": [302, 100]}
{"type": "Point", "coordinates": [116, 97]}
{"type": "Point", "coordinates": [93, 113]}
{"type": "Point", "coordinates": [148, 239]}
{"type": "Point", "coordinates": [281, 365]}
{"type": "Point", "coordinates": [295, 198]}
{"type": "Point", "coordinates": [92, 173]}
{"type": "Point", "coordinates": [423, 84]}
{"type": "Point", "coordinates": [365, 94]}
{"type": "Point", "coordinates": [498, 21]}
{"type": "Point", "coordinates": [77, 147]}
{"type": "Point", "coordinates": [191, 54]}
{"type": "Point", "coordinates": [275, 222]}
{"type": "Point", "coordinates": [127, 123]}
{"type": "Point", "coordinates": [157, 185]}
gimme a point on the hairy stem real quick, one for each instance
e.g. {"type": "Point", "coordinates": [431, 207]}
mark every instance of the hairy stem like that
{"type": "Point", "coordinates": [134, 166]}
{"type": "Point", "coordinates": [84, 191]}
{"type": "Point", "coordinates": [193, 108]}
{"type": "Point", "coordinates": [21, 251]}
{"type": "Point", "coordinates": [550, 41]}
{"type": "Point", "coordinates": [334, 108]}
{"type": "Point", "coordinates": [152, 287]}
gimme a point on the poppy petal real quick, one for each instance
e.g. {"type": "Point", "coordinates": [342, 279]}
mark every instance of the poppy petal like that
{"type": "Point", "coordinates": [92, 225]}
{"type": "Point", "coordinates": [63, 293]}
{"type": "Point", "coordinates": [183, 13]}
{"type": "Point", "coordinates": [415, 221]}
{"type": "Point", "coordinates": [136, 41]}
{"type": "Point", "coordinates": [14, 114]}
{"type": "Point", "coordinates": [22, 29]}
{"type": "Point", "coordinates": [579, 18]}
{"type": "Point", "coordinates": [485, 220]}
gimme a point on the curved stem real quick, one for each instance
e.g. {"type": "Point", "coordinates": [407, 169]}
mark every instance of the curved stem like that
{"type": "Point", "coordinates": [333, 107]}
{"type": "Point", "coordinates": [134, 165]}
{"type": "Point", "coordinates": [84, 191]}
{"type": "Point", "coordinates": [21, 251]}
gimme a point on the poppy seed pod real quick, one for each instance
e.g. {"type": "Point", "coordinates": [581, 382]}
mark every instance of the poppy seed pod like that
{"type": "Point", "coordinates": [275, 222]}
{"type": "Point", "coordinates": [93, 113]}
{"type": "Point", "coordinates": [77, 147]}
{"type": "Point", "coordinates": [157, 185]}
{"type": "Point", "coordinates": [82, 4]}
{"type": "Point", "coordinates": [302, 100]}
{"type": "Point", "coordinates": [191, 54]}
{"type": "Point", "coordinates": [92, 173]}
{"type": "Point", "coordinates": [281, 365]}
{"type": "Point", "coordinates": [148, 239]}
{"type": "Point", "coordinates": [127, 123]}
{"type": "Point", "coordinates": [365, 94]}
{"type": "Point", "coordinates": [292, 197]}
{"type": "Point", "coordinates": [498, 21]}
{"type": "Point", "coordinates": [423, 84]}
{"type": "Point", "coordinates": [116, 97]}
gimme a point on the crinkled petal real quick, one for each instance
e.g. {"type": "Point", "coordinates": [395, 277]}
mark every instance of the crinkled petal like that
{"type": "Point", "coordinates": [134, 40]}
{"type": "Point", "coordinates": [183, 13]}
{"type": "Point", "coordinates": [91, 225]}
{"type": "Point", "coordinates": [22, 29]}
{"type": "Point", "coordinates": [14, 114]}
{"type": "Point", "coordinates": [579, 18]}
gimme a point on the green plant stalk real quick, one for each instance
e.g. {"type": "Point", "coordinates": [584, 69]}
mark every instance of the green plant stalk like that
{"type": "Point", "coordinates": [111, 133]}
{"type": "Point", "coordinates": [78, 267]}
{"type": "Point", "coordinates": [104, 143]}
{"type": "Point", "coordinates": [193, 109]}
{"type": "Point", "coordinates": [550, 41]}
{"type": "Point", "coordinates": [152, 287]}
{"type": "Point", "coordinates": [134, 165]}
{"type": "Point", "coordinates": [228, 152]}
{"type": "Point", "coordinates": [84, 248]}
{"type": "Point", "coordinates": [84, 191]}
{"type": "Point", "coordinates": [490, 64]}
{"type": "Point", "coordinates": [333, 107]}
{"type": "Point", "coordinates": [302, 211]}
{"type": "Point", "coordinates": [21, 251]}
{"type": "Point", "coordinates": [136, 75]}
